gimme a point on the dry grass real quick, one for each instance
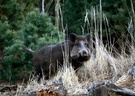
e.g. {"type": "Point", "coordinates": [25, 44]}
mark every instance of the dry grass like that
{"type": "Point", "coordinates": [101, 66]}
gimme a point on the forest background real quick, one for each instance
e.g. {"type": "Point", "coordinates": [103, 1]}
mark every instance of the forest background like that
{"type": "Point", "coordinates": [24, 22]}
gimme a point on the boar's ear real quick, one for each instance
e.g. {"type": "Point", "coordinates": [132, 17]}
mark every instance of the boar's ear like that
{"type": "Point", "coordinates": [72, 37]}
{"type": "Point", "coordinates": [88, 37]}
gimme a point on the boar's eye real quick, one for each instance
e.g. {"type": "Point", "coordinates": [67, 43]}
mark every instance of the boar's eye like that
{"type": "Point", "coordinates": [86, 44]}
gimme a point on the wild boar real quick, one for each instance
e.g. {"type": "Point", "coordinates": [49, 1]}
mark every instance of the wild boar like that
{"type": "Point", "coordinates": [49, 58]}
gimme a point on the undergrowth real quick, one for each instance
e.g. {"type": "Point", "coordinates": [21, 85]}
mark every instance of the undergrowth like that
{"type": "Point", "coordinates": [106, 63]}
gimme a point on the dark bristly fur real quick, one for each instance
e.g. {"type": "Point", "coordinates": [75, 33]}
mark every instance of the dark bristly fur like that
{"type": "Point", "coordinates": [46, 59]}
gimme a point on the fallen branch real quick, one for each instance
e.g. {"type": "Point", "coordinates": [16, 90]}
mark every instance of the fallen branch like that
{"type": "Point", "coordinates": [109, 89]}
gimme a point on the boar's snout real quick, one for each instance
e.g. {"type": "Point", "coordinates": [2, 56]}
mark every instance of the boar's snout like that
{"type": "Point", "coordinates": [83, 53]}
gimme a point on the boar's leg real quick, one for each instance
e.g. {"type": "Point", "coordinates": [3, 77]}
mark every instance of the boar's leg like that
{"type": "Point", "coordinates": [45, 70]}
{"type": "Point", "coordinates": [42, 70]}
{"type": "Point", "coordinates": [38, 71]}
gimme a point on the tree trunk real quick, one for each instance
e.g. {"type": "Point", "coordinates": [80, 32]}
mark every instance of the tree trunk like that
{"type": "Point", "coordinates": [43, 9]}
{"type": "Point", "coordinates": [57, 18]}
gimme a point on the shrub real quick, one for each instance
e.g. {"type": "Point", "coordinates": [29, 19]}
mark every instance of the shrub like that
{"type": "Point", "coordinates": [36, 32]}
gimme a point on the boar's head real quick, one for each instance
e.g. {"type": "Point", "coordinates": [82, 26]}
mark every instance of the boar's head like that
{"type": "Point", "coordinates": [80, 47]}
